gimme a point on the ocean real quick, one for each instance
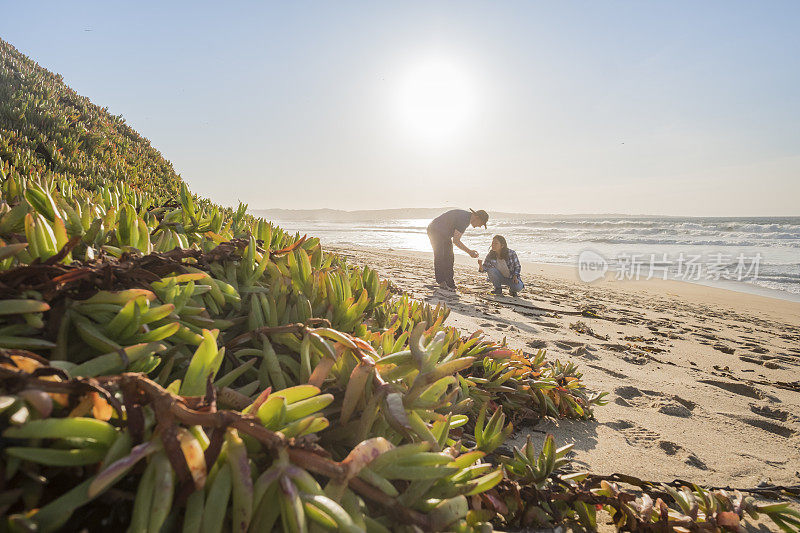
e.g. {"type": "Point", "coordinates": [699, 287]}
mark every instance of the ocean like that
{"type": "Point", "coordinates": [758, 254]}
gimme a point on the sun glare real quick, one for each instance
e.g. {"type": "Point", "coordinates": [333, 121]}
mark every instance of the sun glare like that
{"type": "Point", "coordinates": [436, 100]}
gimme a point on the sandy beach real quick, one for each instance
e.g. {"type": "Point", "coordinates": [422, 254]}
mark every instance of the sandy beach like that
{"type": "Point", "coordinates": [702, 382]}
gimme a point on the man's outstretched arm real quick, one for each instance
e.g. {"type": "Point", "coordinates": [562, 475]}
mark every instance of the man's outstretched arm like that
{"type": "Point", "coordinates": [457, 241]}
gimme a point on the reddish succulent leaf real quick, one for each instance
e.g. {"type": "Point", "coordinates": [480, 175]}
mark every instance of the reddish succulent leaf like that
{"type": "Point", "coordinates": [101, 409]}
{"type": "Point", "coordinates": [364, 453]}
{"type": "Point", "coordinates": [728, 520]}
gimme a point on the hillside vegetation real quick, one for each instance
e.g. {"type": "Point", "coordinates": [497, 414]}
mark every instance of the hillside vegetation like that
{"type": "Point", "coordinates": [47, 129]}
{"type": "Point", "coordinates": [169, 365]}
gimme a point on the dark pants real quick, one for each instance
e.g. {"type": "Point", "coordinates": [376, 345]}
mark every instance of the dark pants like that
{"type": "Point", "coordinates": [442, 258]}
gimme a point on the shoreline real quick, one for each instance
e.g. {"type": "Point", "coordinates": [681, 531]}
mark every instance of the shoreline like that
{"type": "Point", "coordinates": [765, 245]}
{"type": "Point", "coordinates": [571, 270]}
{"type": "Point", "coordinates": [702, 381]}
{"type": "Point", "coordinates": [769, 301]}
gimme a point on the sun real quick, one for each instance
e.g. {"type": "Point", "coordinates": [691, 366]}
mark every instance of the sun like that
{"type": "Point", "coordinates": [436, 100]}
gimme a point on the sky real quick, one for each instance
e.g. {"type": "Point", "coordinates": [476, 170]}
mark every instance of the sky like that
{"type": "Point", "coordinates": [673, 108]}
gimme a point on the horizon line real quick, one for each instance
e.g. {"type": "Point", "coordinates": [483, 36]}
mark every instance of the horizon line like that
{"type": "Point", "coordinates": [505, 213]}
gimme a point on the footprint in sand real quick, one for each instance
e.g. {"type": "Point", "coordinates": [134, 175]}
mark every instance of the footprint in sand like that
{"type": "Point", "coordinates": [635, 359]}
{"type": "Point", "coordinates": [770, 412]}
{"type": "Point", "coordinates": [586, 351]}
{"type": "Point", "coordinates": [670, 448]}
{"type": "Point", "coordinates": [644, 438]}
{"type": "Point", "coordinates": [753, 360]}
{"type": "Point", "coordinates": [627, 392]}
{"type": "Point", "coordinates": [741, 389]}
{"type": "Point", "coordinates": [772, 427]}
{"type": "Point", "coordinates": [675, 409]}
{"type": "Point", "coordinates": [612, 373]}
{"type": "Point", "coordinates": [568, 345]}
{"type": "Point", "coordinates": [755, 348]}
{"type": "Point", "coordinates": [629, 396]}
{"type": "Point", "coordinates": [723, 348]}
{"type": "Point", "coordinates": [615, 347]}
{"type": "Point", "coordinates": [772, 364]}
{"type": "Point", "coordinates": [635, 435]}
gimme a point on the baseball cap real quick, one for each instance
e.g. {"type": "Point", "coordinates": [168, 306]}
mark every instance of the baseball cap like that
{"type": "Point", "coordinates": [483, 215]}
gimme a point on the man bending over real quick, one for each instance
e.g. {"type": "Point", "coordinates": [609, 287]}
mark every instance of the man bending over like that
{"type": "Point", "coordinates": [445, 231]}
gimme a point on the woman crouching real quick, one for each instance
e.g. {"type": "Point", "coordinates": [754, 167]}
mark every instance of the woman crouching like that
{"type": "Point", "coordinates": [502, 266]}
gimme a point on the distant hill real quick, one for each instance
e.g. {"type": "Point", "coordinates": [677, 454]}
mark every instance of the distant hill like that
{"type": "Point", "coordinates": [338, 215]}
{"type": "Point", "coordinates": [48, 128]}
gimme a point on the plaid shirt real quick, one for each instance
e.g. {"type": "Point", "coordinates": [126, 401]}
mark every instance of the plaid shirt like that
{"type": "Point", "coordinates": [513, 263]}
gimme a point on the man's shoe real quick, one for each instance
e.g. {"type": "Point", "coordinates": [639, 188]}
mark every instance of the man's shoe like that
{"type": "Point", "coordinates": [513, 293]}
{"type": "Point", "coordinates": [497, 292]}
{"type": "Point", "coordinates": [446, 287]}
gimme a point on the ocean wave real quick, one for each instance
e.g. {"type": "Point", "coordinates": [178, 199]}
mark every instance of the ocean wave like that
{"type": "Point", "coordinates": [786, 277]}
{"type": "Point", "coordinates": [654, 233]}
{"type": "Point", "coordinates": [562, 233]}
{"type": "Point", "coordinates": [767, 225]}
{"type": "Point", "coordinates": [687, 242]}
{"type": "Point", "coordinates": [792, 289]}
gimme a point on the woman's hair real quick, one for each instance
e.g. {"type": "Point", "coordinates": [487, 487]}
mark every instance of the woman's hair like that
{"type": "Point", "coordinates": [503, 248]}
